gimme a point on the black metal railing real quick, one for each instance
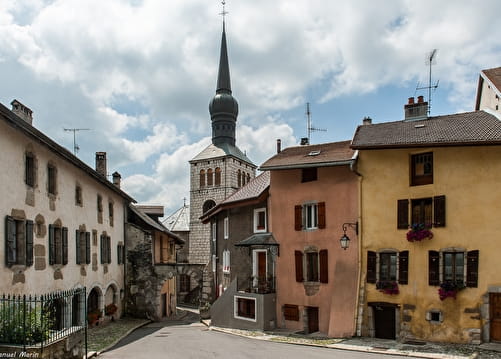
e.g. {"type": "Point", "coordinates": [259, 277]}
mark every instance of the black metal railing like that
{"type": "Point", "coordinates": [39, 320]}
{"type": "Point", "coordinates": [258, 284]}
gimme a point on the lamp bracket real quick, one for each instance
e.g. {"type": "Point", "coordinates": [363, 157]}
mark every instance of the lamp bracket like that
{"type": "Point", "coordinates": [352, 225]}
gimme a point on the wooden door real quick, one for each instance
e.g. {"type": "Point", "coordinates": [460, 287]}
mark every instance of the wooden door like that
{"type": "Point", "coordinates": [163, 304]}
{"type": "Point", "coordinates": [384, 321]}
{"type": "Point", "coordinates": [261, 265]}
{"type": "Point", "coordinates": [312, 313]}
{"type": "Point", "coordinates": [495, 315]}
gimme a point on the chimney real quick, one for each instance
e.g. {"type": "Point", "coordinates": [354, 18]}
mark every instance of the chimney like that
{"type": "Point", "coordinates": [367, 121]}
{"type": "Point", "coordinates": [101, 163]}
{"type": "Point", "coordinates": [22, 111]}
{"type": "Point", "coordinates": [305, 141]}
{"type": "Point", "coordinates": [416, 111]}
{"type": "Point", "coordinates": [116, 179]}
{"type": "Point", "coordinates": [279, 145]}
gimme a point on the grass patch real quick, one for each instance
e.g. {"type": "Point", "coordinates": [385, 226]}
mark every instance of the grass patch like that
{"type": "Point", "coordinates": [104, 335]}
{"type": "Point", "coordinates": [304, 340]}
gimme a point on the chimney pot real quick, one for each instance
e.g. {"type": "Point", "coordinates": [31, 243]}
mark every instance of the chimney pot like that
{"type": "Point", "coordinates": [420, 99]}
{"type": "Point", "coordinates": [305, 141]}
{"type": "Point", "coordinates": [101, 163]}
{"type": "Point", "coordinates": [411, 101]}
{"type": "Point", "coordinates": [279, 145]}
{"type": "Point", "coordinates": [116, 179]}
{"type": "Point", "coordinates": [22, 111]}
{"type": "Point", "coordinates": [367, 121]}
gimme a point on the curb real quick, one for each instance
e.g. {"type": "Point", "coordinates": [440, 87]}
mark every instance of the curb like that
{"type": "Point", "coordinates": [92, 354]}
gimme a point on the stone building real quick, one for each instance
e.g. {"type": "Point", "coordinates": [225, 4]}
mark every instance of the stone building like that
{"type": "Point", "coordinates": [220, 169]}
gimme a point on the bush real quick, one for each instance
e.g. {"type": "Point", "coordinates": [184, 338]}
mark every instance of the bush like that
{"type": "Point", "coordinates": [20, 323]}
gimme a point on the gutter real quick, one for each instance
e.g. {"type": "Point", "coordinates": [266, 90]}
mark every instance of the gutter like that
{"type": "Point", "coordinates": [307, 165]}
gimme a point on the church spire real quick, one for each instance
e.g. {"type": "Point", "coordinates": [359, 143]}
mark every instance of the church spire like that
{"type": "Point", "coordinates": [223, 107]}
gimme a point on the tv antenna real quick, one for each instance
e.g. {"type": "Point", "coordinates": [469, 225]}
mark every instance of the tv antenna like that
{"type": "Point", "coordinates": [430, 60]}
{"type": "Point", "coordinates": [309, 126]}
{"type": "Point", "coordinates": [75, 130]}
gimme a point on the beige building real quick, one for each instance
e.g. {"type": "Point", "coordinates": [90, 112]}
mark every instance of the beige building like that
{"type": "Point", "coordinates": [489, 90]}
{"type": "Point", "coordinates": [62, 220]}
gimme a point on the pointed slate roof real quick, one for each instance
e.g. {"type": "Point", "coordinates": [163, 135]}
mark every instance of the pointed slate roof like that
{"type": "Point", "coordinates": [178, 221]}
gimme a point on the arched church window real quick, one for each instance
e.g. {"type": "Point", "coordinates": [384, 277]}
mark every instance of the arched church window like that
{"type": "Point", "coordinates": [248, 177]}
{"type": "Point", "coordinates": [243, 178]}
{"type": "Point", "coordinates": [217, 176]}
{"type": "Point", "coordinates": [202, 178]}
{"type": "Point", "coordinates": [208, 205]}
{"type": "Point", "coordinates": [209, 177]}
{"type": "Point", "coordinates": [239, 179]}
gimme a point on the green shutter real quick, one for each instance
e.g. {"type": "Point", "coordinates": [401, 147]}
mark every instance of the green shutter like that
{"type": "Point", "coordinates": [87, 247]}
{"type": "Point", "coordinates": [77, 246]}
{"type": "Point", "coordinates": [10, 243]}
{"type": "Point", "coordinates": [102, 248]}
{"type": "Point", "coordinates": [108, 249]}
{"type": "Point", "coordinates": [65, 245]}
{"type": "Point", "coordinates": [29, 243]}
{"type": "Point", "coordinates": [52, 248]}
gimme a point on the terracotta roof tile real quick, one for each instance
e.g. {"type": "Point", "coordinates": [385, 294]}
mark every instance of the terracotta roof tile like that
{"type": "Point", "coordinates": [251, 190]}
{"type": "Point", "coordinates": [325, 154]}
{"type": "Point", "coordinates": [469, 128]}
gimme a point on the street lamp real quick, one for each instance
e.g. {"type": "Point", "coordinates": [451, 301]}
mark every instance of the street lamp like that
{"type": "Point", "coordinates": [345, 240]}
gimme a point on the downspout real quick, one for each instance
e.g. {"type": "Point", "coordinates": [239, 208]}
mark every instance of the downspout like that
{"type": "Point", "coordinates": [124, 301]}
{"type": "Point", "coordinates": [359, 238]}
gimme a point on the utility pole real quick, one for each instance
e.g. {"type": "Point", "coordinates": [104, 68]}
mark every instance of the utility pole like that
{"type": "Point", "coordinates": [74, 130]}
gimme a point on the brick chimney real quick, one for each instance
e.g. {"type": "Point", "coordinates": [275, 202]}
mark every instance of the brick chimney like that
{"type": "Point", "coordinates": [116, 179]}
{"type": "Point", "coordinates": [279, 145]}
{"type": "Point", "coordinates": [416, 111]}
{"type": "Point", "coordinates": [367, 121]}
{"type": "Point", "coordinates": [101, 163]}
{"type": "Point", "coordinates": [22, 111]}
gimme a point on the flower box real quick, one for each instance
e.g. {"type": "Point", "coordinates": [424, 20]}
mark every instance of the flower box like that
{"type": "Point", "coordinates": [450, 289]}
{"type": "Point", "coordinates": [110, 309]}
{"type": "Point", "coordinates": [419, 232]}
{"type": "Point", "coordinates": [387, 287]}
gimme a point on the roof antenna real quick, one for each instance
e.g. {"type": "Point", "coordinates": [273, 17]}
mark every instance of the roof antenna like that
{"type": "Point", "coordinates": [309, 126]}
{"type": "Point", "coordinates": [74, 130]}
{"type": "Point", "coordinates": [430, 60]}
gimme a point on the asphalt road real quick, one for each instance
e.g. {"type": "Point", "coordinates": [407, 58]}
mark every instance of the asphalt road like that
{"type": "Point", "coordinates": [171, 340]}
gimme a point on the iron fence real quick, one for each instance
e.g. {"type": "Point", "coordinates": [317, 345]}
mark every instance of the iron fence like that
{"type": "Point", "coordinates": [39, 320]}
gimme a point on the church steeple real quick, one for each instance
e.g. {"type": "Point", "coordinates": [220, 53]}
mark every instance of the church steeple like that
{"type": "Point", "coordinates": [223, 107]}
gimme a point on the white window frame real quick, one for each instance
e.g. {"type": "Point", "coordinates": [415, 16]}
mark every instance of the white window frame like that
{"type": "Point", "coordinates": [226, 261]}
{"type": "Point", "coordinates": [235, 308]}
{"type": "Point", "coordinates": [256, 220]}
{"type": "Point", "coordinates": [310, 209]}
{"type": "Point", "coordinates": [214, 231]}
{"type": "Point", "coordinates": [226, 228]}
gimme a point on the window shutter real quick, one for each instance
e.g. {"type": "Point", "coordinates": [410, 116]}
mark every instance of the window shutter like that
{"type": "Point", "coordinates": [65, 245]}
{"type": "Point", "coordinates": [87, 247]}
{"type": "Point", "coordinates": [108, 249]}
{"type": "Point", "coordinates": [10, 243]}
{"type": "Point", "coordinates": [52, 248]}
{"type": "Point", "coordinates": [472, 269]}
{"type": "Point", "coordinates": [403, 267]}
{"type": "Point", "coordinates": [298, 217]}
{"type": "Point", "coordinates": [371, 267]}
{"type": "Point", "coordinates": [29, 243]}
{"type": "Point", "coordinates": [403, 214]}
{"type": "Point", "coordinates": [439, 211]}
{"type": "Point", "coordinates": [102, 248]}
{"type": "Point", "coordinates": [321, 215]}
{"type": "Point", "coordinates": [298, 256]}
{"type": "Point", "coordinates": [77, 242]}
{"type": "Point", "coordinates": [433, 268]}
{"type": "Point", "coordinates": [324, 266]}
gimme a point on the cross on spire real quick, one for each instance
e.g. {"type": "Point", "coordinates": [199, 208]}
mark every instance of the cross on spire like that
{"type": "Point", "coordinates": [224, 12]}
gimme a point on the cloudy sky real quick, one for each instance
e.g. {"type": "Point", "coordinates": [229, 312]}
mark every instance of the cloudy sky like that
{"type": "Point", "coordinates": [140, 74]}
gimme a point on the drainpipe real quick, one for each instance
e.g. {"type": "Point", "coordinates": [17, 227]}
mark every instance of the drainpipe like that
{"type": "Point", "coordinates": [124, 301]}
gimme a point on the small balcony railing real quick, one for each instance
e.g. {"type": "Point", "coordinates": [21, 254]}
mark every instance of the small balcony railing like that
{"type": "Point", "coordinates": [258, 284]}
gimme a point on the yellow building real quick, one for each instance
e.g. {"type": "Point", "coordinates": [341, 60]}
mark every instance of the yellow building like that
{"type": "Point", "coordinates": [430, 207]}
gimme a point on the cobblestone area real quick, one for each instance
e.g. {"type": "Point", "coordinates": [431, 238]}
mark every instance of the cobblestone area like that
{"type": "Point", "coordinates": [105, 335]}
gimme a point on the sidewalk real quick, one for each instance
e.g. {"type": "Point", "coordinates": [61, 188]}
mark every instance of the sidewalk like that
{"type": "Point", "coordinates": [381, 346]}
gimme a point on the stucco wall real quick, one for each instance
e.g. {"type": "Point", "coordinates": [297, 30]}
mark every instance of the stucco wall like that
{"type": "Point", "coordinates": [336, 300]}
{"type": "Point", "coordinates": [469, 178]}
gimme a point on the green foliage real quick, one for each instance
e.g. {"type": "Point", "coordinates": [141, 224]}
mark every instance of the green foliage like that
{"type": "Point", "coordinates": [21, 323]}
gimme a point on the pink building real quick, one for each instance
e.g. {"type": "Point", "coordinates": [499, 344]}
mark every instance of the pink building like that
{"type": "Point", "coordinates": [313, 196]}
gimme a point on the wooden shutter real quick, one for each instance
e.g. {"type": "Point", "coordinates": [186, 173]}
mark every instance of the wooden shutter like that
{"type": "Point", "coordinates": [439, 211]}
{"type": "Point", "coordinates": [321, 215]}
{"type": "Point", "coordinates": [52, 248]}
{"type": "Point", "coordinates": [403, 214]}
{"type": "Point", "coordinates": [10, 242]}
{"type": "Point", "coordinates": [472, 269]}
{"type": "Point", "coordinates": [108, 249]}
{"type": "Point", "coordinates": [371, 267]}
{"type": "Point", "coordinates": [65, 245]}
{"type": "Point", "coordinates": [324, 266]}
{"type": "Point", "coordinates": [291, 312]}
{"type": "Point", "coordinates": [101, 243]}
{"type": "Point", "coordinates": [298, 217]}
{"type": "Point", "coordinates": [403, 267]}
{"type": "Point", "coordinates": [29, 243]}
{"type": "Point", "coordinates": [433, 268]}
{"type": "Point", "coordinates": [77, 245]}
{"type": "Point", "coordinates": [298, 257]}
{"type": "Point", "coordinates": [87, 247]}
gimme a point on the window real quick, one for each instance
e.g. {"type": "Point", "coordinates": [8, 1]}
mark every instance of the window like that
{"type": "Point", "coordinates": [309, 216]}
{"type": "Point", "coordinates": [78, 195]}
{"type": "Point", "coordinates": [248, 177]}
{"type": "Point", "coordinates": [435, 316]}
{"type": "Point", "coordinates": [245, 308]}
{"type": "Point", "coordinates": [208, 205]}
{"type": "Point", "coordinates": [29, 169]}
{"type": "Point", "coordinates": [214, 231]}
{"type": "Point", "coordinates": [184, 283]}
{"type": "Point", "coordinates": [422, 169]}
{"type": "Point", "coordinates": [99, 209]}
{"type": "Point", "coordinates": [105, 249]}
{"type": "Point", "coordinates": [51, 179]}
{"type": "Point", "coordinates": [309, 174]}
{"type": "Point", "coordinates": [19, 241]}
{"type": "Point", "coordinates": [58, 245]}
{"type": "Point", "coordinates": [202, 178]}
{"type": "Point", "coordinates": [291, 312]}
{"type": "Point", "coordinates": [239, 179]}
{"type": "Point", "coordinates": [120, 254]}
{"type": "Point", "coordinates": [210, 178]}
{"type": "Point", "coordinates": [387, 266]}
{"type": "Point", "coordinates": [312, 263]}
{"type": "Point", "coordinates": [111, 212]}
{"type": "Point", "coordinates": [82, 247]}
{"type": "Point", "coordinates": [226, 261]}
{"type": "Point", "coordinates": [217, 176]}
{"type": "Point", "coordinates": [424, 211]}
{"type": "Point", "coordinates": [455, 264]}
{"type": "Point", "coordinates": [226, 228]}
{"type": "Point", "coordinates": [260, 220]}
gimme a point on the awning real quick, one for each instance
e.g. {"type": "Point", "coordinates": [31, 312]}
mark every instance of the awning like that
{"type": "Point", "coordinates": [259, 239]}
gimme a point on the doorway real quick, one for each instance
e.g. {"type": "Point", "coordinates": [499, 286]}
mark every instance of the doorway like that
{"type": "Point", "coordinates": [312, 314]}
{"type": "Point", "coordinates": [495, 316]}
{"type": "Point", "coordinates": [384, 321]}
